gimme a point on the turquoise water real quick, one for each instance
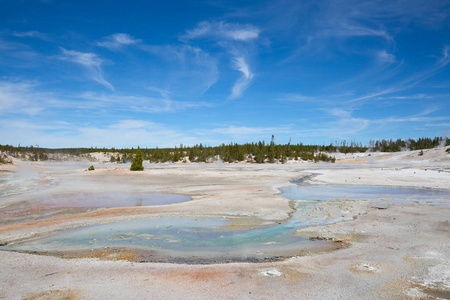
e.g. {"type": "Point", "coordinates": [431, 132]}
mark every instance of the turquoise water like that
{"type": "Point", "coordinates": [179, 239]}
{"type": "Point", "coordinates": [209, 240]}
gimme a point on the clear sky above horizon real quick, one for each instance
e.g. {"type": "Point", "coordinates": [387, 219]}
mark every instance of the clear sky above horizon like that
{"type": "Point", "coordinates": [163, 73]}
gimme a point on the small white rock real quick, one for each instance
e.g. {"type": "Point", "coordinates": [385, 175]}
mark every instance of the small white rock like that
{"type": "Point", "coordinates": [271, 272]}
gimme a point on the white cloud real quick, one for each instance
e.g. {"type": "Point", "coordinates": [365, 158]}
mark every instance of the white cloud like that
{"type": "Point", "coordinates": [241, 65]}
{"type": "Point", "coordinates": [139, 103]}
{"type": "Point", "coordinates": [147, 134]}
{"type": "Point", "coordinates": [339, 112]}
{"type": "Point", "coordinates": [296, 98]}
{"type": "Point", "coordinates": [415, 118]}
{"type": "Point", "coordinates": [222, 30]}
{"type": "Point", "coordinates": [199, 67]}
{"type": "Point", "coordinates": [376, 94]}
{"type": "Point", "coordinates": [243, 34]}
{"type": "Point", "coordinates": [118, 40]}
{"type": "Point", "coordinates": [385, 57]}
{"type": "Point", "coordinates": [32, 101]}
{"type": "Point", "coordinates": [202, 29]}
{"type": "Point", "coordinates": [123, 133]}
{"type": "Point", "coordinates": [242, 83]}
{"type": "Point", "coordinates": [33, 34]}
{"type": "Point", "coordinates": [239, 87]}
{"type": "Point", "coordinates": [131, 124]}
{"type": "Point", "coordinates": [21, 98]}
{"type": "Point", "coordinates": [445, 57]}
{"type": "Point", "coordinates": [191, 68]}
{"type": "Point", "coordinates": [346, 125]}
{"type": "Point", "coordinates": [350, 29]}
{"type": "Point", "coordinates": [230, 37]}
{"type": "Point", "coordinates": [90, 61]}
{"type": "Point", "coordinates": [331, 22]}
{"type": "Point", "coordinates": [27, 96]}
{"type": "Point", "coordinates": [406, 97]}
{"type": "Point", "coordinates": [413, 80]}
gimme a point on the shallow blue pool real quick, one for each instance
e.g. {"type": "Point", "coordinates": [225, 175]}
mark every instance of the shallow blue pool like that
{"type": "Point", "coordinates": [208, 239]}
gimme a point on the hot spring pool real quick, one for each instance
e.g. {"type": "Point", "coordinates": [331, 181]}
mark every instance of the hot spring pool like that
{"type": "Point", "coordinates": [210, 240]}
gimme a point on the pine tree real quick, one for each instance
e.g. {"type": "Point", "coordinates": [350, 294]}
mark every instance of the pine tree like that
{"type": "Point", "coordinates": [272, 150]}
{"type": "Point", "coordinates": [137, 161]}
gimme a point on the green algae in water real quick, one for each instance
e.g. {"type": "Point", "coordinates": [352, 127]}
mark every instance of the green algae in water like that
{"type": "Point", "coordinates": [178, 239]}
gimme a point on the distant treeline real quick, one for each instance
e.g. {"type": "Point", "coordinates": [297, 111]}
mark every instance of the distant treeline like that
{"type": "Point", "coordinates": [259, 152]}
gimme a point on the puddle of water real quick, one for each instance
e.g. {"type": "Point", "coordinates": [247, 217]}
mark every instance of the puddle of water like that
{"type": "Point", "coordinates": [44, 206]}
{"type": "Point", "coordinates": [330, 192]}
{"type": "Point", "coordinates": [318, 205]}
{"type": "Point", "coordinates": [112, 199]}
{"type": "Point", "coordinates": [178, 239]}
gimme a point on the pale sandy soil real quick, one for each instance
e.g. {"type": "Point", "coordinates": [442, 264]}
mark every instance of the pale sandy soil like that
{"type": "Point", "coordinates": [398, 252]}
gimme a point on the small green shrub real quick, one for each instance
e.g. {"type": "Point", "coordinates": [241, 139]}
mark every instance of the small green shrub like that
{"type": "Point", "coordinates": [91, 168]}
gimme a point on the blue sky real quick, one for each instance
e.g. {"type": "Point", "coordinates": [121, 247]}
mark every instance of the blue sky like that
{"type": "Point", "coordinates": [160, 73]}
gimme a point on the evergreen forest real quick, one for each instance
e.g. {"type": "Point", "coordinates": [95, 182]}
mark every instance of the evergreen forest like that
{"type": "Point", "coordinates": [259, 152]}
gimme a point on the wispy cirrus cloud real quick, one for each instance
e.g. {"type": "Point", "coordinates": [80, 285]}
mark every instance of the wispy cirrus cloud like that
{"type": "Point", "coordinates": [445, 58]}
{"type": "Point", "coordinates": [332, 23]}
{"type": "Point", "coordinates": [191, 68]}
{"type": "Point", "coordinates": [408, 97]}
{"type": "Point", "coordinates": [121, 133]}
{"type": "Point", "coordinates": [340, 112]}
{"type": "Point", "coordinates": [384, 57]}
{"type": "Point", "coordinates": [144, 104]}
{"type": "Point", "coordinates": [346, 28]}
{"type": "Point", "coordinates": [235, 39]}
{"type": "Point", "coordinates": [118, 40]}
{"type": "Point", "coordinates": [188, 64]}
{"type": "Point", "coordinates": [290, 97]}
{"type": "Point", "coordinates": [198, 65]}
{"type": "Point", "coordinates": [15, 94]}
{"type": "Point", "coordinates": [412, 80]}
{"type": "Point", "coordinates": [15, 54]}
{"type": "Point", "coordinates": [240, 65]}
{"type": "Point", "coordinates": [222, 30]}
{"type": "Point", "coordinates": [346, 124]}
{"type": "Point", "coordinates": [32, 34]}
{"type": "Point", "coordinates": [128, 133]}
{"type": "Point", "coordinates": [376, 94]}
{"type": "Point", "coordinates": [90, 61]}
{"type": "Point", "coordinates": [30, 123]}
